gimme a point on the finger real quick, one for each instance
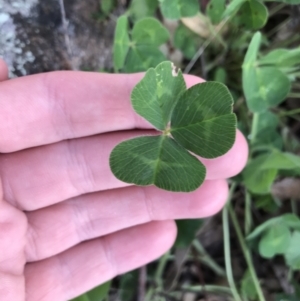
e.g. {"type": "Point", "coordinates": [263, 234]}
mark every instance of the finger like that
{"type": "Point", "coordinates": [46, 108]}
{"type": "Point", "coordinates": [39, 177]}
{"type": "Point", "coordinates": [57, 228]}
{"type": "Point", "coordinates": [3, 71]}
{"type": "Point", "coordinates": [13, 226]}
{"type": "Point", "coordinates": [81, 268]}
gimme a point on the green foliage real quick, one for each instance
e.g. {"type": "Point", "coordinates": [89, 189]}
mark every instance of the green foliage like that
{"type": "Point", "coordinates": [253, 15]}
{"type": "Point", "coordinates": [198, 124]}
{"type": "Point", "coordinates": [232, 8]}
{"type": "Point", "coordinates": [292, 253]}
{"type": "Point", "coordinates": [199, 121]}
{"type": "Point", "coordinates": [248, 287]}
{"type": "Point", "coordinates": [97, 294]}
{"type": "Point", "coordinates": [156, 95]}
{"type": "Point", "coordinates": [274, 241]}
{"type": "Point", "coordinates": [176, 9]}
{"type": "Point", "coordinates": [186, 41]}
{"type": "Point", "coordinates": [280, 236]}
{"type": "Point", "coordinates": [215, 10]}
{"type": "Point", "coordinates": [257, 179]}
{"type": "Point", "coordinates": [261, 171]}
{"type": "Point", "coordinates": [107, 6]}
{"type": "Point", "coordinates": [187, 230]}
{"type": "Point", "coordinates": [262, 93]}
{"type": "Point", "coordinates": [267, 134]}
{"type": "Point", "coordinates": [121, 42]}
{"type": "Point", "coordinates": [281, 58]}
{"type": "Point", "coordinates": [128, 285]}
{"type": "Point", "coordinates": [137, 50]}
{"type": "Point", "coordinates": [157, 160]}
{"type": "Point", "coordinates": [140, 9]}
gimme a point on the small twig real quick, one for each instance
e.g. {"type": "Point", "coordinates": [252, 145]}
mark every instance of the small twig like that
{"type": "Point", "coordinates": [207, 259]}
{"type": "Point", "coordinates": [142, 283]}
{"type": "Point", "coordinates": [202, 48]}
{"type": "Point", "coordinates": [65, 24]}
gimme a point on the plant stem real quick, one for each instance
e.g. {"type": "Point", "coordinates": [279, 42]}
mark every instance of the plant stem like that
{"type": "Point", "coordinates": [294, 95]}
{"type": "Point", "coordinates": [294, 206]}
{"type": "Point", "coordinates": [288, 113]}
{"type": "Point", "coordinates": [226, 234]}
{"type": "Point", "coordinates": [208, 288]}
{"type": "Point", "coordinates": [206, 259]}
{"type": "Point", "coordinates": [248, 216]}
{"type": "Point", "coordinates": [160, 269]}
{"type": "Point", "coordinates": [254, 128]}
{"type": "Point", "coordinates": [246, 253]}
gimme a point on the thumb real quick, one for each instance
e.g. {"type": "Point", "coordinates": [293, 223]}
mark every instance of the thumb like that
{"type": "Point", "coordinates": [3, 71]}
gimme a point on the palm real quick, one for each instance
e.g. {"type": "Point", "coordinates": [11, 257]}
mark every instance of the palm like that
{"type": "Point", "coordinates": [66, 223]}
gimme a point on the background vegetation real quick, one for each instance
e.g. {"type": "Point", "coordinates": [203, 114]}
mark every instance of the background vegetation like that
{"type": "Point", "coordinates": [251, 250]}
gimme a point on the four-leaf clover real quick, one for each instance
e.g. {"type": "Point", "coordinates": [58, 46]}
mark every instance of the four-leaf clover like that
{"type": "Point", "coordinates": [198, 120]}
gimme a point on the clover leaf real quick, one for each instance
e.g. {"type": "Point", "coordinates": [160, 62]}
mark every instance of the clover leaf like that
{"type": "Point", "coordinates": [137, 49]}
{"type": "Point", "coordinates": [264, 86]}
{"type": "Point", "coordinates": [198, 120]}
{"type": "Point", "coordinates": [176, 9]}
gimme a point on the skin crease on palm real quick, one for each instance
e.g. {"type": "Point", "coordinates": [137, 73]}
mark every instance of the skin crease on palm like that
{"type": "Point", "coordinates": [66, 223]}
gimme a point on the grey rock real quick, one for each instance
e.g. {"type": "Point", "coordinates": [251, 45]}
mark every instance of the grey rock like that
{"type": "Point", "coordinates": [34, 36]}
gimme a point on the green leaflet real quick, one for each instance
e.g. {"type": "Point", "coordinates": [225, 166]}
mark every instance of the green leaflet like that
{"type": "Point", "coordinates": [215, 10]}
{"type": "Point", "coordinates": [149, 31]}
{"type": "Point", "coordinates": [138, 50]}
{"type": "Point", "coordinates": [264, 87]}
{"type": "Point", "coordinates": [292, 254]}
{"type": "Point", "coordinates": [274, 241]}
{"type": "Point", "coordinates": [99, 293]}
{"type": "Point", "coordinates": [176, 9]}
{"type": "Point", "coordinates": [186, 40]}
{"type": "Point", "coordinates": [121, 42]}
{"type": "Point", "coordinates": [142, 8]}
{"type": "Point", "coordinates": [232, 8]}
{"type": "Point", "coordinates": [157, 160]}
{"type": "Point", "coordinates": [253, 14]}
{"type": "Point", "coordinates": [203, 121]}
{"type": "Point", "coordinates": [282, 58]}
{"type": "Point", "coordinates": [293, 2]}
{"type": "Point", "coordinates": [155, 96]}
{"type": "Point", "coordinates": [257, 179]}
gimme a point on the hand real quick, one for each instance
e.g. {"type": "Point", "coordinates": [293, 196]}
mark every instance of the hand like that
{"type": "Point", "coordinates": [66, 223]}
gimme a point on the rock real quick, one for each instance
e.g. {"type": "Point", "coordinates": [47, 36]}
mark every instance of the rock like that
{"type": "Point", "coordinates": [34, 37]}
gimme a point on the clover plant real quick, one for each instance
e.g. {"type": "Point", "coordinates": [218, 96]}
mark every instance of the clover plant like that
{"type": "Point", "coordinates": [198, 120]}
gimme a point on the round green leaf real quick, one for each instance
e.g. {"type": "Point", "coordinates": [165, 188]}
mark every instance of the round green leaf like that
{"type": "Point", "coordinates": [253, 14]}
{"type": "Point", "coordinates": [121, 43]}
{"type": "Point", "coordinates": [149, 31]}
{"type": "Point", "coordinates": [215, 10]}
{"type": "Point", "coordinates": [292, 254]}
{"type": "Point", "coordinates": [157, 160]}
{"type": "Point", "coordinates": [289, 1]}
{"type": "Point", "coordinates": [257, 179]}
{"type": "Point", "coordinates": [232, 8]}
{"type": "Point", "coordinates": [275, 241]}
{"type": "Point", "coordinates": [186, 41]}
{"type": "Point", "coordinates": [176, 9]}
{"type": "Point", "coordinates": [264, 87]}
{"type": "Point", "coordinates": [155, 96]}
{"type": "Point", "coordinates": [203, 122]}
{"type": "Point", "coordinates": [142, 8]}
{"type": "Point", "coordinates": [141, 57]}
{"type": "Point", "coordinates": [282, 58]}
